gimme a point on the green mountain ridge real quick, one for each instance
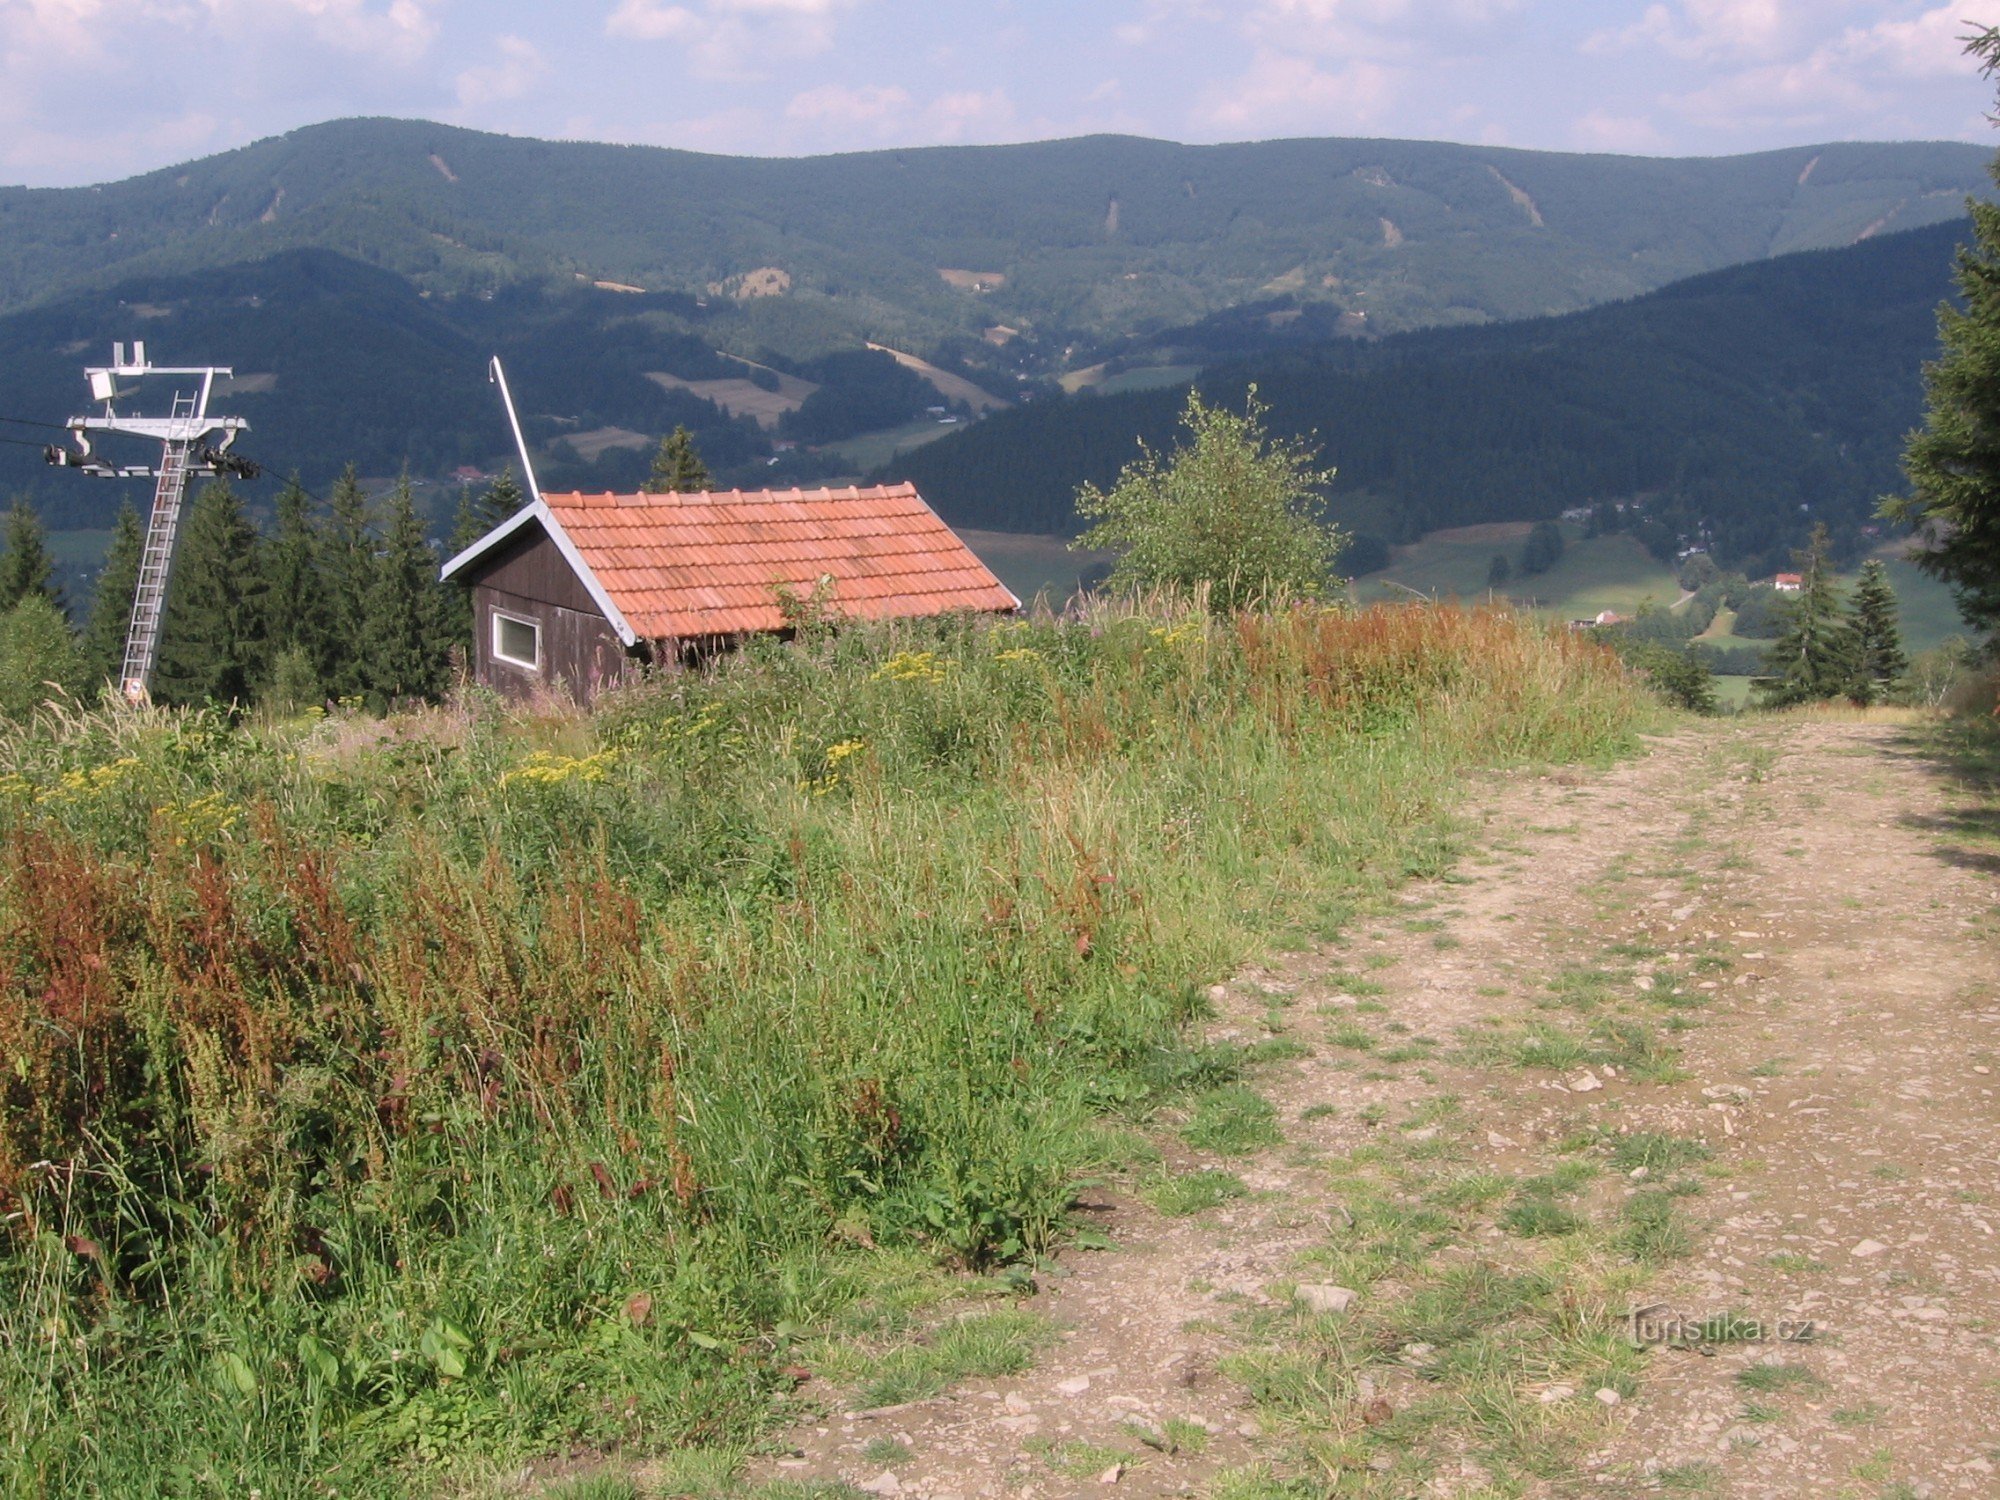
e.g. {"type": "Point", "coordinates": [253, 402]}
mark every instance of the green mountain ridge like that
{"type": "Point", "coordinates": [1083, 242]}
{"type": "Point", "coordinates": [359, 273]}
{"type": "Point", "coordinates": [1738, 406]}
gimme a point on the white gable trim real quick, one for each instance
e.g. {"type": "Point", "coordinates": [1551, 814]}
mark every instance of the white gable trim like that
{"type": "Point", "coordinates": [538, 513]}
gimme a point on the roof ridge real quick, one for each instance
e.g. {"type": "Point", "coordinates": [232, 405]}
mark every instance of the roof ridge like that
{"type": "Point", "coordinates": [795, 495]}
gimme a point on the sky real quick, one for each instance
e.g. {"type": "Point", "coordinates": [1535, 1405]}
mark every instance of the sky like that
{"type": "Point", "coordinates": [96, 90]}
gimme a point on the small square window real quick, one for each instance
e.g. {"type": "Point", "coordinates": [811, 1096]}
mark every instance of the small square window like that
{"type": "Point", "coordinates": [517, 642]}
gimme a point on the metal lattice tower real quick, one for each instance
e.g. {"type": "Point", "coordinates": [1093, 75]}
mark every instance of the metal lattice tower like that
{"type": "Point", "coordinates": [186, 450]}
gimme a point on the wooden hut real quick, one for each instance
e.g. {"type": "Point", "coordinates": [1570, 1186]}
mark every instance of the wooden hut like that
{"type": "Point", "coordinates": [574, 589]}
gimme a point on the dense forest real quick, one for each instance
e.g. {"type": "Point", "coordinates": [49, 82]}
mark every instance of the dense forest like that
{"type": "Point", "coordinates": [1730, 410]}
{"type": "Point", "coordinates": [337, 599]}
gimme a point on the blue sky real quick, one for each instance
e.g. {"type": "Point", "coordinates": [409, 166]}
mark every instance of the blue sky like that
{"type": "Point", "coordinates": [92, 90]}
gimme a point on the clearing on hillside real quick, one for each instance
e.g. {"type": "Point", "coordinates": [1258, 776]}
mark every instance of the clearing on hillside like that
{"type": "Point", "coordinates": [951, 387]}
{"type": "Point", "coordinates": [744, 398]}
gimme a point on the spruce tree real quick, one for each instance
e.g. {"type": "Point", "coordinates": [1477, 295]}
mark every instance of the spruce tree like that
{"type": "Point", "coordinates": [347, 572]}
{"type": "Point", "coordinates": [403, 633]}
{"type": "Point", "coordinates": [39, 658]}
{"type": "Point", "coordinates": [215, 640]}
{"type": "Point", "coordinates": [1878, 638]}
{"type": "Point", "coordinates": [25, 566]}
{"type": "Point", "coordinates": [1498, 571]}
{"type": "Point", "coordinates": [298, 602]}
{"type": "Point", "coordinates": [477, 515]}
{"type": "Point", "coordinates": [677, 468]}
{"type": "Point", "coordinates": [1815, 656]}
{"type": "Point", "coordinates": [1953, 463]}
{"type": "Point", "coordinates": [111, 603]}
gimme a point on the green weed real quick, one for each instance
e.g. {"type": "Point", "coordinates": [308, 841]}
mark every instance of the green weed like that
{"type": "Point", "coordinates": [1194, 1192]}
{"type": "Point", "coordinates": [1233, 1120]}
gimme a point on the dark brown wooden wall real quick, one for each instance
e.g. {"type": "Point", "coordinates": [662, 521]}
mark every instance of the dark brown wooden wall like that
{"type": "Point", "coordinates": [531, 579]}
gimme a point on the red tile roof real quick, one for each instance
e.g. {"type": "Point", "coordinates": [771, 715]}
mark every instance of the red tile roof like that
{"type": "Point", "coordinates": [709, 564]}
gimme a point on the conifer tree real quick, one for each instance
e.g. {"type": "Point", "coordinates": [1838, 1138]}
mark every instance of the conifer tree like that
{"type": "Point", "coordinates": [348, 551]}
{"type": "Point", "coordinates": [1544, 548]}
{"type": "Point", "coordinates": [39, 658]}
{"type": "Point", "coordinates": [1878, 638]}
{"type": "Point", "coordinates": [25, 565]}
{"type": "Point", "coordinates": [402, 635]}
{"type": "Point", "coordinates": [1953, 464]}
{"type": "Point", "coordinates": [677, 468]}
{"type": "Point", "coordinates": [111, 604]}
{"type": "Point", "coordinates": [1498, 571]}
{"type": "Point", "coordinates": [1815, 656]}
{"type": "Point", "coordinates": [298, 602]}
{"type": "Point", "coordinates": [477, 515]}
{"type": "Point", "coordinates": [215, 640]}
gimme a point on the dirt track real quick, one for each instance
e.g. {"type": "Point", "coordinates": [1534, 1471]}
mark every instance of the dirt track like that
{"type": "Point", "coordinates": [1716, 1032]}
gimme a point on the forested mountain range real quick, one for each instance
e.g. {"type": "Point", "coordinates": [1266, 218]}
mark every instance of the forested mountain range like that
{"type": "Point", "coordinates": [1062, 251]}
{"type": "Point", "coordinates": [1738, 406]}
{"type": "Point", "coordinates": [357, 274]}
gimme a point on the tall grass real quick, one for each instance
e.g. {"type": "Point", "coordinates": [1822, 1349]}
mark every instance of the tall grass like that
{"type": "Point", "coordinates": [481, 1082]}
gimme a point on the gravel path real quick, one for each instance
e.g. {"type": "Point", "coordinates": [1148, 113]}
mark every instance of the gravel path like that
{"type": "Point", "coordinates": [1762, 961]}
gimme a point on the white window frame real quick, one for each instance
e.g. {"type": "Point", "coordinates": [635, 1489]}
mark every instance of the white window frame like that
{"type": "Point", "coordinates": [500, 615]}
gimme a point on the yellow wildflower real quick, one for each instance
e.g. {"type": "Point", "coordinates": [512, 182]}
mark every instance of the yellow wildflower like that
{"type": "Point", "coordinates": [200, 820]}
{"type": "Point", "coordinates": [914, 666]}
{"type": "Point", "coordinates": [1189, 631]}
{"type": "Point", "coordinates": [546, 768]}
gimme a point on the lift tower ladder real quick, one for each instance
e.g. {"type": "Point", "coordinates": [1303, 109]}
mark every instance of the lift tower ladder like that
{"type": "Point", "coordinates": [191, 442]}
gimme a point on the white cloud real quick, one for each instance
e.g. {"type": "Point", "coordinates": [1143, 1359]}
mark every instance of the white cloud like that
{"type": "Point", "coordinates": [1600, 130]}
{"type": "Point", "coordinates": [838, 117]}
{"type": "Point", "coordinates": [730, 38]}
{"type": "Point", "coordinates": [509, 76]}
{"type": "Point", "coordinates": [1857, 77]}
{"type": "Point", "coordinates": [872, 103]}
{"type": "Point", "coordinates": [1404, 30]}
{"type": "Point", "coordinates": [1720, 29]}
{"type": "Point", "coordinates": [971, 115]}
{"type": "Point", "coordinates": [1287, 93]}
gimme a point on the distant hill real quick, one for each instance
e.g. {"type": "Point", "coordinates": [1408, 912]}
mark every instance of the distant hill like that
{"type": "Point", "coordinates": [1740, 405]}
{"type": "Point", "coordinates": [359, 273]}
{"type": "Point", "coordinates": [1062, 249]}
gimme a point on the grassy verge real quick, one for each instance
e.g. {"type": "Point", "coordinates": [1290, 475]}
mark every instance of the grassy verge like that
{"type": "Point", "coordinates": [475, 1083]}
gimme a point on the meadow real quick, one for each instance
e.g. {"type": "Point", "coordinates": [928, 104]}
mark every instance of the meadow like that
{"type": "Point", "coordinates": [386, 1095]}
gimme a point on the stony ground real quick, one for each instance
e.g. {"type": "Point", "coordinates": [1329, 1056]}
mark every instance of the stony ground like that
{"type": "Point", "coordinates": [1710, 1037]}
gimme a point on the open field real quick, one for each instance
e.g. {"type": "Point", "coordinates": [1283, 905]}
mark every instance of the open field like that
{"type": "Point", "coordinates": [1607, 572]}
{"type": "Point", "coordinates": [951, 387]}
{"type": "Point", "coordinates": [1033, 566]}
{"type": "Point", "coordinates": [390, 1098]}
{"type": "Point", "coordinates": [1616, 573]}
{"type": "Point", "coordinates": [744, 398]}
{"type": "Point", "coordinates": [592, 445]}
{"type": "Point", "coordinates": [871, 450]}
{"type": "Point", "coordinates": [1139, 378]}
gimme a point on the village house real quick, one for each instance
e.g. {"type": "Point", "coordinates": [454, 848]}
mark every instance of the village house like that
{"type": "Point", "coordinates": [1788, 583]}
{"type": "Point", "coordinates": [575, 590]}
